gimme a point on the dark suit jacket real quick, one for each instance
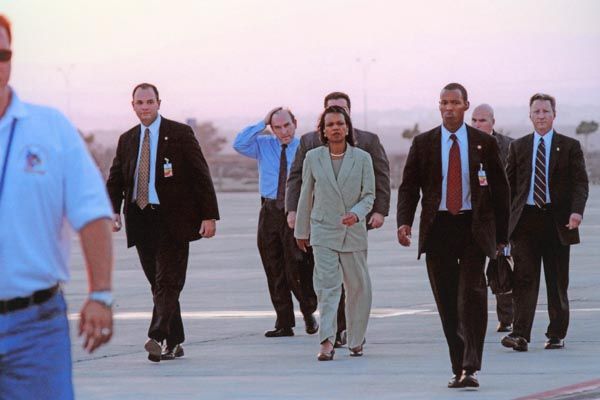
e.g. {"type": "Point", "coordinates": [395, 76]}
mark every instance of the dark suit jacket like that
{"type": "Point", "coordinates": [567, 181]}
{"type": "Point", "coordinates": [503, 145]}
{"type": "Point", "coordinates": [364, 140]}
{"type": "Point", "coordinates": [423, 173]}
{"type": "Point", "coordinates": [186, 198]}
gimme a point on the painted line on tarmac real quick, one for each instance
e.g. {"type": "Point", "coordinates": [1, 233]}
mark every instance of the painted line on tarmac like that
{"type": "Point", "coordinates": [583, 390]}
{"type": "Point", "coordinates": [232, 314]}
{"type": "Point", "coordinates": [227, 314]}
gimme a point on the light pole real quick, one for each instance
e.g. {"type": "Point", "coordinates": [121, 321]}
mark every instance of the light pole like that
{"type": "Point", "coordinates": [66, 74]}
{"type": "Point", "coordinates": [365, 64]}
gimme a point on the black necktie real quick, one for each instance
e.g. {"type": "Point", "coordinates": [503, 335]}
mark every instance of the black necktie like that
{"type": "Point", "coordinates": [539, 183]}
{"type": "Point", "coordinates": [280, 203]}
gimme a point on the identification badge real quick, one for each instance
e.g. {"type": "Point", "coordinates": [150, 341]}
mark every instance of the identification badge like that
{"type": "Point", "coordinates": [168, 168]}
{"type": "Point", "coordinates": [482, 176]}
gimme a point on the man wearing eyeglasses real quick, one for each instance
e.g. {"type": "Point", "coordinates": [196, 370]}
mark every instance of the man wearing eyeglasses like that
{"type": "Point", "coordinates": [47, 180]}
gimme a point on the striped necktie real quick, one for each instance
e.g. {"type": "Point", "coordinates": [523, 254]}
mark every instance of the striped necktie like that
{"type": "Point", "coordinates": [539, 183]}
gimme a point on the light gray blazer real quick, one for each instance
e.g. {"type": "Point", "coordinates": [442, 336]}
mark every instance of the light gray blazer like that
{"type": "Point", "coordinates": [324, 199]}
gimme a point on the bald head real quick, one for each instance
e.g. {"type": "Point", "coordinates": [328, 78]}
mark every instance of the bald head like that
{"type": "Point", "coordinates": [483, 118]}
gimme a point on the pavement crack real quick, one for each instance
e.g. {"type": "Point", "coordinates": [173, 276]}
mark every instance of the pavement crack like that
{"type": "Point", "coordinates": [199, 342]}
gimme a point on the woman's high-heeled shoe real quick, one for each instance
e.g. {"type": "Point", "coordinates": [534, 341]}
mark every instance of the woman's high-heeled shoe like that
{"type": "Point", "coordinates": [358, 350]}
{"type": "Point", "coordinates": [326, 356]}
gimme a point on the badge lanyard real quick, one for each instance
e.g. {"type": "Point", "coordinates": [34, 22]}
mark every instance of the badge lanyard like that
{"type": "Point", "coordinates": [5, 163]}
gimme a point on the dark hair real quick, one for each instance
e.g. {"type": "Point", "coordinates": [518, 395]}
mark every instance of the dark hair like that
{"type": "Point", "coordinates": [292, 116]}
{"type": "Point", "coordinates": [5, 23]}
{"type": "Point", "coordinates": [335, 110]}
{"type": "Point", "coordinates": [458, 86]}
{"type": "Point", "coordinates": [335, 96]}
{"type": "Point", "coordinates": [544, 97]}
{"type": "Point", "coordinates": [145, 86]}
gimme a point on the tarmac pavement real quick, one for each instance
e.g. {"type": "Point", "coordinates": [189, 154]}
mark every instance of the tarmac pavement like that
{"type": "Point", "coordinates": [227, 309]}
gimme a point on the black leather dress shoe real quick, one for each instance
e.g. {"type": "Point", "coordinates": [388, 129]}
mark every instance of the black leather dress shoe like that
{"type": "Point", "coordinates": [504, 327]}
{"type": "Point", "coordinates": [469, 379]}
{"type": "Point", "coordinates": [341, 338]}
{"type": "Point", "coordinates": [154, 350]}
{"type": "Point", "coordinates": [280, 332]}
{"type": "Point", "coordinates": [517, 343]}
{"type": "Point", "coordinates": [172, 353]}
{"type": "Point", "coordinates": [454, 382]}
{"type": "Point", "coordinates": [554, 343]}
{"type": "Point", "coordinates": [311, 324]}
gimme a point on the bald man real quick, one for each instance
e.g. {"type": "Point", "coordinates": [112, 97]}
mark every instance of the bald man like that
{"type": "Point", "coordinates": [483, 119]}
{"type": "Point", "coordinates": [288, 270]}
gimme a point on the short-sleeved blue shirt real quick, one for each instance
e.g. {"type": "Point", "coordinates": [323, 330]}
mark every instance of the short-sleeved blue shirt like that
{"type": "Point", "coordinates": [51, 187]}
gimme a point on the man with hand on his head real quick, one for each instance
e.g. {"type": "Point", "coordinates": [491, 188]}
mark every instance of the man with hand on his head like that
{"type": "Point", "coordinates": [287, 268]}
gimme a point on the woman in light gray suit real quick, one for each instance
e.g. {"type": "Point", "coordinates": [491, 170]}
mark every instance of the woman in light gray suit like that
{"type": "Point", "coordinates": [338, 191]}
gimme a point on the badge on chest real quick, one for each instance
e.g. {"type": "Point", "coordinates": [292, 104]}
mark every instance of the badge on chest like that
{"type": "Point", "coordinates": [482, 176]}
{"type": "Point", "coordinates": [167, 168]}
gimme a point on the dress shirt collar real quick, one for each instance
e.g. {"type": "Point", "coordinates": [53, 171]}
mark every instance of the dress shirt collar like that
{"type": "Point", "coordinates": [461, 134]}
{"type": "Point", "coordinates": [547, 138]}
{"type": "Point", "coordinates": [154, 126]}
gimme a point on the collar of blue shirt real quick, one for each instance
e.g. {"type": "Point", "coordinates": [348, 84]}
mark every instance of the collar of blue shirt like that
{"type": "Point", "coordinates": [154, 127]}
{"type": "Point", "coordinates": [16, 109]}
{"type": "Point", "coordinates": [461, 134]}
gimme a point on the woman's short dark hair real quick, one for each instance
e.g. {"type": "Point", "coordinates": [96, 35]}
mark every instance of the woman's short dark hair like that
{"type": "Point", "coordinates": [335, 110]}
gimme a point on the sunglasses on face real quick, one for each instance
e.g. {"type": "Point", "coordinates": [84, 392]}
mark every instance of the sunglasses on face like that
{"type": "Point", "coordinates": [5, 55]}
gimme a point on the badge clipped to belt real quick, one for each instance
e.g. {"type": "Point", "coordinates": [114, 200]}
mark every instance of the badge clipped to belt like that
{"type": "Point", "coordinates": [167, 168]}
{"type": "Point", "coordinates": [482, 176]}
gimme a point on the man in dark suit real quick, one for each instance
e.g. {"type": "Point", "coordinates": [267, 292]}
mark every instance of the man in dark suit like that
{"type": "Point", "coordinates": [464, 218]}
{"type": "Point", "coordinates": [161, 177]}
{"type": "Point", "coordinates": [483, 119]}
{"type": "Point", "coordinates": [549, 189]}
{"type": "Point", "coordinates": [364, 140]}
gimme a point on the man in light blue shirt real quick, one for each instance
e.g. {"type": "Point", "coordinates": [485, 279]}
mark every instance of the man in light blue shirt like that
{"type": "Point", "coordinates": [49, 185]}
{"type": "Point", "coordinates": [549, 190]}
{"type": "Point", "coordinates": [287, 268]}
{"type": "Point", "coordinates": [457, 171]}
{"type": "Point", "coordinates": [463, 143]}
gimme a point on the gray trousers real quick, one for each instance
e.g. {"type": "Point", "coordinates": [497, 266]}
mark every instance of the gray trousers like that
{"type": "Point", "coordinates": [331, 268]}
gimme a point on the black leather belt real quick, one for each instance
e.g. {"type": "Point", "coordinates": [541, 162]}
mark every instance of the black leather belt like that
{"type": "Point", "coordinates": [462, 213]}
{"type": "Point", "coordinates": [545, 207]}
{"type": "Point", "coordinates": [268, 202]}
{"type": "Point", "coordinates": [19, 303]}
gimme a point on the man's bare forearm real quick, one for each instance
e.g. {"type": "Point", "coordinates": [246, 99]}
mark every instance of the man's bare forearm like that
{"type": "Point", "coordinates": [96, 242]}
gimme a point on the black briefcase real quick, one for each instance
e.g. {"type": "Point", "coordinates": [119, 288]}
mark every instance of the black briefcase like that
{"type": "Point", "coordinates": [500, 274]}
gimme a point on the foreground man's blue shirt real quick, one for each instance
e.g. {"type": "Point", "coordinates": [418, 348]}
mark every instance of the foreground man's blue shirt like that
{"type": "Point", "coordinates": [51, 185]}
{"type": "Point", "coordinates": [267, 150]}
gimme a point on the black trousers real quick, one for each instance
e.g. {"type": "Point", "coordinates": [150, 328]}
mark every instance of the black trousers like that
{"type": "Point", "coordinates": [535, 239]}
{"type": "Point", "coordinates": [455, 265]}
{"type": "Point", "coordinates": [288, 269]}
{"type": "Point", "coordinates": [504, 308]}
{"type": "Point", "coordinates": [164, 262]}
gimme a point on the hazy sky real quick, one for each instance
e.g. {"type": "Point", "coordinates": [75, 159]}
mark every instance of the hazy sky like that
{"type": "Point", "coordinates": [218, 58]}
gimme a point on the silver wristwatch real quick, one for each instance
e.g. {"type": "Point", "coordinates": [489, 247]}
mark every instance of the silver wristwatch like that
{"type": "Point", "coordinates": [103, 297]}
